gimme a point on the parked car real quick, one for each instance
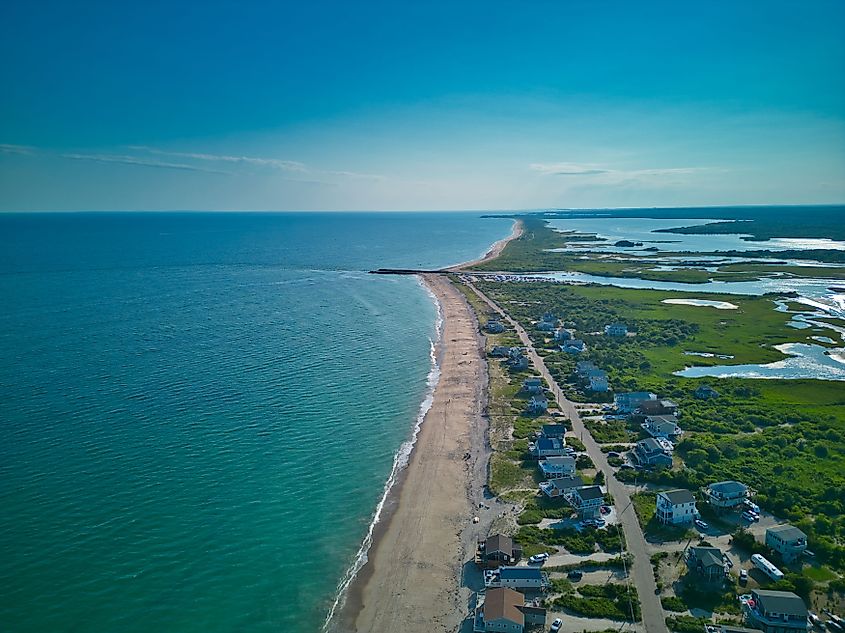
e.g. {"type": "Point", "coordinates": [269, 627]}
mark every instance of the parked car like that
{"type": "Point", "coordinates": [599, 522]}
{"type": "Point", "coordinates": [701, 525]}
{"type": "Point", "coordinates": [555, 627]}
{"type": "Point", "coordinates": [613, 454]}
{"type": "Point", "coordinates": [605, 509]}
{"type": "Point", "coordinates": [743, 575]}
{"type": "Point", "coordinates": [575, 575]}
{"type": "Point", "coordinates": [626, 467]}
{"type": "Point", "coordinates": [751, 506]}
{"type": "Point", "coordinates": [539, 558]}
{"type": "Point", "coordinates": [748, 516]}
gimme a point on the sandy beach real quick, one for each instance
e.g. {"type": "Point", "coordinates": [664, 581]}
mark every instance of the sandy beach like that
{"type": "Point", "coordinates": [413, 580]}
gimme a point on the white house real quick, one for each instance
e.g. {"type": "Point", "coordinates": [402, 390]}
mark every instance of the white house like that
{"type": "Point", "coordinates": [665, 426]}
{"type": "Point", "coordinates": [558, 467]}
{"type": "Point", "coordinates": [676, 507]}
{"type": "Point", "coordinates": [616, 329]}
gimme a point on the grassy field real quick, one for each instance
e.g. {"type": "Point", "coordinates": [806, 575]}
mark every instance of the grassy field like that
{"type": "Point", "coordinates": [784, 438]}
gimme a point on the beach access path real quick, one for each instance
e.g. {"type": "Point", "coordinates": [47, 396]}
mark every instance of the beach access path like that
{"type": "Point", "coordinates": [641, 571]}
{"type": "Point", "coordinates": [415, 567]}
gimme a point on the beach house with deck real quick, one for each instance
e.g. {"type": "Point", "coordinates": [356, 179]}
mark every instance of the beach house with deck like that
{"type": "Point", "coordinates": [525, 578]}
{"type": "Point", "coordinates": [574, 346]}
{"type": "Point", "coordinates": [504, 610]}
{"type": "Point", "coordinates": [726, 495]}
{"type": "Point", "coordinates": [616, 329]}
{"type": "Point", "coordinates": [629, 402]}
{"type": "Point", "coordinates": [665, 426]}
{"type": "Point", "coordinates": [706, 562]}
{"type": "Point", "coordinates": [498, 550]}
{"type": "Point", "coordinates": [776, 611]}
{"type": "Point", "coordinates": [651, 452]}
{"type": "Point", "coordinates": [587, 500]}
{"type": "Point", "coordinates": [561, 487]}
{"type": "Point", "coordinates": [558, 467]}
{"type": "Point", "coordinates": [786, 540]}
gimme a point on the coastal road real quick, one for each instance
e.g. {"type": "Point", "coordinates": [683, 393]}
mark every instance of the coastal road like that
{"type": "Point", "coordinates": [641, 570]}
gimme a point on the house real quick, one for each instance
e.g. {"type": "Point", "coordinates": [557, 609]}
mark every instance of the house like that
{"type": "Point", "coordinates": [726, 494]}
{"type": "Point", "coordinates": [517, 578]}
{"type": "Point", "coordinates": [575, 346]}
{"type": "Point", "coordinates": [532, 385]}
{"type": "Point", "coordinates": [658, 407]}
{"type": "Point", "coordinates": [545, 447]}
{"type": "Point", "coordinates": [676, 507]}
{"type": "Point", "coordinates": [549, 317]}
{"type": "Point", "coordinates": [665, 426]}
{"type": "Point", "coordinates": [598, 381]}
{"type": "Point", "coordinates": [587, 500]}
{"type": "Point", "coordinates": [616, 329]}
{"type": "Point", "coordinates": [498, 550]}
{"type": "Point", "coordinates": [544, 326]}
{"type": "Point", "coordinates": [500, 611]}
{"type": "Point", "coordinates": [517, 362]}
{"type": "Point", "coordinates": [731, 628]}
{"type": "Point", "coordinates": [494, 327]}
{"type": "Point", "coordinates": [562, 334]}
{"type": "Point", "coordinates": [538, 404]}
{"type": "Point", "coordinates": [553, 430]}
{"type": "Point", "coordinates": [776, 611]}
{"type": "Point", "coordinates": [650, 452]}
{"type": "Point", "coordinates": [584, 367]}
{"type": "Point", "coordinates": [500, 351]}
{"type": "Point", "coordinates": [558, 467]}
{"type": "Point", "coordinates": [706, 562]}
{"type": "Point", "coordinates": [629, 402]}
{"type": "Point", "coordinates": [561, 487]}
{"type": "Point", "coordinates": [705, 392]}
{"type": "Point", "coordinates": [786, 540]}
{"type": "Point", "coordinates": [505, 610]}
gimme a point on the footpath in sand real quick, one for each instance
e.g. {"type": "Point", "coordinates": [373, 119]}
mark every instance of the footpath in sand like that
{"type": "Point", "coordinates": [415, 567]}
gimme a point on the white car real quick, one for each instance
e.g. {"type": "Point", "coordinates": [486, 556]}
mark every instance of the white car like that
{"type": "Point", "coordinates": [556, 625]}
{"type": "Point", "coordinates": [701, 525]}
{"type": "Point", "coordinates": [539, 558]}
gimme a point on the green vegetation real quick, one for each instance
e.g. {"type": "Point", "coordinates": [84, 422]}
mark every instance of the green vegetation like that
{"type": "Point", "coordinates": [784, 438]}
{"type": "Point", "coordinates": [611, 601]}
{"type": "Point", "coordinates": [584, 542]}
{"type": "Point", "coordinates": [618, 562]}
{"type": "Point", "coordinates": [673, 603]}
{"type": "Point", "coordinates": [686, 624]}
{"type": "Point", "coordinates": [696, 597]}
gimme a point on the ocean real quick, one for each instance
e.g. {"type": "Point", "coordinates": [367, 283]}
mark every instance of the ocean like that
{"type": "Point", "coordinates": [200, 411]}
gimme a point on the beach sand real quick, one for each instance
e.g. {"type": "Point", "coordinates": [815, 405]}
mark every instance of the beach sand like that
{"type": "Point", "coordinates": [412, 579]}
{"type": "Point", "coordinates": [495, 250]}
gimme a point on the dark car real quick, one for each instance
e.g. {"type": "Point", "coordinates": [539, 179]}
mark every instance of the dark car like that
{"type": "Point", "coordinates": [575, 575]}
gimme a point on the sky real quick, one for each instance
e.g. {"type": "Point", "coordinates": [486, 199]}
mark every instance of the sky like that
{"type": "Point", "coordinates": [420, 105]}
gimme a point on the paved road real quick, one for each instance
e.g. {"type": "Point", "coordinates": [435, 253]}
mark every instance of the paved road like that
{"type": "Point", "coordinates": [641, 570]}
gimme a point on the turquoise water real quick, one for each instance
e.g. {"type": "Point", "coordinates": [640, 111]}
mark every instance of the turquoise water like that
{"type": "Point", "coordinates": [199, 411]}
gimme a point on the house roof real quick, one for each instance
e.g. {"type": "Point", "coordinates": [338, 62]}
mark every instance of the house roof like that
{"type": "Point", "coordinates": [662, 419]}
{"type": "Point", "coordinates": [678, 496]}
{"type": "Point", "coordinates": [520, 572]}
{"type": "Point", "coordinates": [708, 556]}
{"type": "Point", "coordinates": [636, 395]}
{"type": "Point", "coordinates": [553, 430]}
{"type": "Point", "coordinates": [787, 532]}
{"type": "Point", "coordinates": [728, 487]}
{"type": "Point", "coordinates": [499, 543]}
{"type": "Point", "coordinates": [780, 602]}
{"type": "Point", "coordinates": [503, 604]}
{"type": "Point", "coordinates": [650, 445]}
{"type": "Point", "coordinates": [730, 628]}
{"type": "Point", "coordinates": [549, 443]}
{"type": "Point", "coordinates": [566, 483]}
{"type": "Point", "coordinates": [559, 460]}
{"type": "Point", "coordinates": [588, 493]}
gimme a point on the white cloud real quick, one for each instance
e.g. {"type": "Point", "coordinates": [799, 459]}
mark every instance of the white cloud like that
{"type": "Point", "coordinates": [567, 169]}
{"type": "Point", "coordinates": [134, 160]}
{"type": "Point", "coordinates": [591, 173]}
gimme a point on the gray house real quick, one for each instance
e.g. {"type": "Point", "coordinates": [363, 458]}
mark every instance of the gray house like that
{"type": "Point", "coordinates": [776, 611]}
{"type": "Point", "coordinates": [788, 541]}
{"type": "Point", "coordinates": [706, 562]}
{"type": "Point", "coordinates": [650, 452]}
{"type": "Point", "coordinates": [726, 495]}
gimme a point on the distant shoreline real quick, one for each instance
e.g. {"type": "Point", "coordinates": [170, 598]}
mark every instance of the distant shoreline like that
{"type": "Point", "coordinates": [412, 579]}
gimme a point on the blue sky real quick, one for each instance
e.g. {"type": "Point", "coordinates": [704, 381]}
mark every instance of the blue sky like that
{"type": "Point", "coordinates": [435, 105]}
